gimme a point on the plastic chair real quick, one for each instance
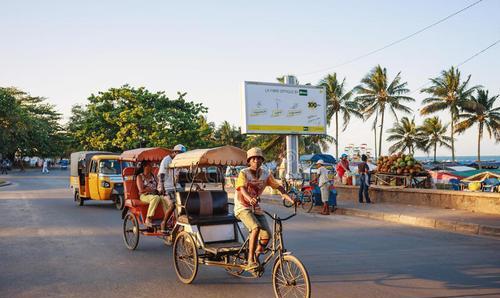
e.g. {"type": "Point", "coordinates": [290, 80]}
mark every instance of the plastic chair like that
{"type": "Point", "coordinates": [490, 184]}
{"type": "Point", "coordinates": [455, 184]}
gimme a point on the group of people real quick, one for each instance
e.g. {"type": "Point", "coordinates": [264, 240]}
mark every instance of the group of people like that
{"type": "Point", "coordinates": [364, 175]}
{"type": "Point", "coordinates": [158, 190]}
{"type": "Point", "coordinates": [249, 186]}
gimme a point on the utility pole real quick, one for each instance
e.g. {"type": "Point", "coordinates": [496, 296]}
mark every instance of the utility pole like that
{"type": "Point", "coordinates": [292, 143]}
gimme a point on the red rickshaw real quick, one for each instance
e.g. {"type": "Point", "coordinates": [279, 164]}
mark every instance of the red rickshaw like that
{"type": "Point", "coordinates": [134, 212]}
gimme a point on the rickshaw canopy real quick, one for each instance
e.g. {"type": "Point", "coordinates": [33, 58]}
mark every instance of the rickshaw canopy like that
{"type": "Point", "coordinates": [143, 154]}
{"type": "Point", "coordinates": [219, 156]}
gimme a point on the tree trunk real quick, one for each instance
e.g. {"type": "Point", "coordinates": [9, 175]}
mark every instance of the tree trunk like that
{"type": "Point", "coordinates": [381, 132]}
{"type": "Point", "coordinates": [375, 133]}
{"type": "Point", "coordinates": [479, 135]}
{"type": "Point", "coordinates": [337, 135]}
{"type": "Point", "coordinates": [435, 147]}
{"type": "Point", "coordinates": [452, 138]}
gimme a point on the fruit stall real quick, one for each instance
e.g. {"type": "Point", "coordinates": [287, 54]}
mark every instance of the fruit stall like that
{"type": "Point", "coordinates": [401, 170]}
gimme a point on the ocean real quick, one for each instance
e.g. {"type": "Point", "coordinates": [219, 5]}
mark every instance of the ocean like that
{"type": "Point", "coordinates": [460, 158]}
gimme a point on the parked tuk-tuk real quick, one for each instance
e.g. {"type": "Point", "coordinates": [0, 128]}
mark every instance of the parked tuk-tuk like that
{"type": "Point", "coordinates": [96, 175]}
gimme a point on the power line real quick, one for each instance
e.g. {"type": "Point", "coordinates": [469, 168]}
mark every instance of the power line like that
{"type": "Point", "coordinates": [461, 63]}
{"type": "Point", "coordinates": [394, 42]}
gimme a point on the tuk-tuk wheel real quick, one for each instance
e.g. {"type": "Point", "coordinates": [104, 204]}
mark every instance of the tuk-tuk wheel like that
{"type": "Point", "coordinates": [130, 231]}
{"type": "Point", "coordinates": [78, 199]}
{"type": "Point", "coordinates": [185, 257]}
{"type": "Point", "coordinates": [119, 202]}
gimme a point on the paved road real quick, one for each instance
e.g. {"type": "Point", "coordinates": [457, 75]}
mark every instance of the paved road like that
{"type": "Point", "coordinates": [51, 247]}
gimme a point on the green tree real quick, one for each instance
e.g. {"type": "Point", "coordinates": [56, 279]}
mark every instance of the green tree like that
{"type": "Point", "coordinates": [407, 136]}
{"type": "Point", "coordinates": [227, 134]}
{"type": "Point", "coordinates": [339, 101]}
{"type": "Point", "coordinates": [480, 110]}
{"type": "Point", "coordinates": [375, 94]}
{"type": "Point", "coordinates": [448, 92]}
{"type": "Point", "coordinates": [127, 117]}
{"type": "Point", "coordinates": [30, 126]}
{"type": "Point", "coordinates": [435, 133]}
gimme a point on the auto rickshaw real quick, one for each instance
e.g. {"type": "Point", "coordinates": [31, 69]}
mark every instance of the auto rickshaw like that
{"type": "Point", "coordinates": [96, 175]}
{"type": "Point", "coordinates": [212, 236]}
{"type": "Point", "coordinates": [135, 211]}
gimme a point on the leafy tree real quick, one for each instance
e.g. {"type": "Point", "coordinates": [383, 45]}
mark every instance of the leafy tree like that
{"type": "Point", "coordinates": [375, 94]}
{"type": "Point", "coordinates": [227, 134]}
{"type": "Point", "coordinates": [480, 110]}
{"type": "Point", "coordinates": [435, 133]}
{"type": "Point", "coordinates": [124, 118]}
{"type": "Point", "coordinates": [448, 92]}
{"type": "Point", "coordinates": [30, 126]}
{"type": "Point", "coordinates": [407, 136]}
{"type": "Point", "coordinates": [339, 101]}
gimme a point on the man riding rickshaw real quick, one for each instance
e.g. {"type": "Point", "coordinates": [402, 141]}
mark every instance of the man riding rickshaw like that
{"type": "Point", "coordinates": [144, 195]}
{"type": "Point", "coordinates": [209, 234]}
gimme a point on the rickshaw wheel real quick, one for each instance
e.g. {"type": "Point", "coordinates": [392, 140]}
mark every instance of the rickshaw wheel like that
{"type": "Point", "coordinates": [119, 202]}
{"type": "Point", "coordinates": [78, 199]}
{"type": "Point", "coordinates": [290, 278]}
{"type": "Point", "coordinates": [307, 200]}
{"type": "Point", "coordinates": [131, 231]}
{"type": "Point", "coordinates": [292, 195]}
{"type": "Point", "coordinates": [185, 257]}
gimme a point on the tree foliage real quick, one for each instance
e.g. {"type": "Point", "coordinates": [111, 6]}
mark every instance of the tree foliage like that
{"type": "Point", "coordinates": [435, 133]}
{"type": "Point", "coordinates": [448, 92]}
{"type": "Point", "coordinates": [376, 94]}
{"type": "Point", "coordinates": [407, 136]}
{"type": "Point", "coordinates": [29, 126]}
{"type": "Point", "coordinates": [125, 118]}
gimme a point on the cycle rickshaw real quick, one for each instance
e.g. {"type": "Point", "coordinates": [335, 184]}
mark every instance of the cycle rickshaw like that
{"type": "Point", "coordinates": [212, 236]}
{"type": "Point", "coordinates": [134, 212]}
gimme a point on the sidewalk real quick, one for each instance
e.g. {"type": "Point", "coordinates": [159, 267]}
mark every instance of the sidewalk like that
{"type": "Point", "coordinates": [457, 221]}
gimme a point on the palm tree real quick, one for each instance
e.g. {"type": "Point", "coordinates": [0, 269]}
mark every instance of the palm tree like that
{"type": "Point", "coordinates": [338, 101]}
{"type": "Point", "coordinates": [435, 132]}
{"type": "Point", "coordinates": [376, 94]}
{"type": "Point", "coordinates": [448, 92]}
{"type": "Point", "coordinates": [407, 136]}
{"type": "Point", "coordinates": [480, 110]}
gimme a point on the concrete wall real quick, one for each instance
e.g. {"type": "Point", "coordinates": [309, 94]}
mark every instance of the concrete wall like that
{"type": "Point", "coordinates": [470, 201]}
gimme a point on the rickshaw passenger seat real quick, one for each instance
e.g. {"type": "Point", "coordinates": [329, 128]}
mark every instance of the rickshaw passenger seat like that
{"type": "Point", "coordinates": [129, 184]}
{"type": "Point", "coordinates": [204, 207]}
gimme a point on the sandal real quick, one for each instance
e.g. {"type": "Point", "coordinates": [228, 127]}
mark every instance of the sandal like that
{"type": "Point", "coordinates": [148, 223]}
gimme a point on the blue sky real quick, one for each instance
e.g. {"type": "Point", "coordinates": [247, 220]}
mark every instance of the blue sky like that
{"type": "Point", "coordinates": [66, 50]}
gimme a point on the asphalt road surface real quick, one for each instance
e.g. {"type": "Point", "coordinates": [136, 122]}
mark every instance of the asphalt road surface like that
{"type": "Point", "coordinates": [51, 247]}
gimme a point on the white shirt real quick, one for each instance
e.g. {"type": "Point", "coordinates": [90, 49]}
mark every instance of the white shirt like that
{"type": "Point", "coordinates": [323, 176]}
{"type": "Point", "coordinates": [169, 173]}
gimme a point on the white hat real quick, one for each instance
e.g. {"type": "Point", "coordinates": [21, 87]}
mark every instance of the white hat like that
{"type": "Point", "coordinates": [320, 162]}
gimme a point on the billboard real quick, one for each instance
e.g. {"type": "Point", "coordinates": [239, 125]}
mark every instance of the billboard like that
{"type": "Point", "coordinates": [272, 108]}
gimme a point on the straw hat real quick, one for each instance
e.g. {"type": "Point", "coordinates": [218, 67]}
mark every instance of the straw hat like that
{"type": "Point", "coordinates": [254, 152]}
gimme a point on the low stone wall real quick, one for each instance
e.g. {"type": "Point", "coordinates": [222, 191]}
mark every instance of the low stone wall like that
{"type": "Point", "coordinates": [470, 201]}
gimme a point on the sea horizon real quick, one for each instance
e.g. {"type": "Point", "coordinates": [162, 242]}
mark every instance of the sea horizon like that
{"type": "Point", "coordinates": [471, 158]}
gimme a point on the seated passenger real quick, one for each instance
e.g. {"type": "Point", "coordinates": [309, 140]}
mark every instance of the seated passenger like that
{"type": "Point", "coordinates": [249, 186]}
{"type": "Point", "coordinates": [148, 189]}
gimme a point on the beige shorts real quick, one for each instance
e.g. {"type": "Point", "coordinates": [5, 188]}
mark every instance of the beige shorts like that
{"type": "Point", "coordinates": [253, 221]}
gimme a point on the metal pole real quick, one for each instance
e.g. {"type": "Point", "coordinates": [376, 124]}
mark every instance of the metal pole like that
{"type": "Point", "coordinates": [292, 144]}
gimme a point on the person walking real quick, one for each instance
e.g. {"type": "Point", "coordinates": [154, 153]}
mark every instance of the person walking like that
{"type": "Point", "coordinates": [4, 167]}
{"type": "Point", "coordinates": [324, 186]}
{"type": "Point", "coordinates": [364, 179]}
{"type": "Point", "coordinates": [45, 167]}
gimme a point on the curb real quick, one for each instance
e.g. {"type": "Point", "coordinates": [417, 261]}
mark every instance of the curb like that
{"type": "Point", "coordinates": [423, 222]}
{"type": "Point", "coordinates": [6, 183]}
{"type": "Point", "coordinates": [438, 224]}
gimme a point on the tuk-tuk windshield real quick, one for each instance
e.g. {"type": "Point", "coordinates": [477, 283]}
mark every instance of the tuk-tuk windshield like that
{"type": "Point", "coordinates": [110, 167]}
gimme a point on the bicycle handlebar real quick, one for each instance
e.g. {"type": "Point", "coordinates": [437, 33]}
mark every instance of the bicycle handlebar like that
{"type": "Point", "coordinates": [286, 218]}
